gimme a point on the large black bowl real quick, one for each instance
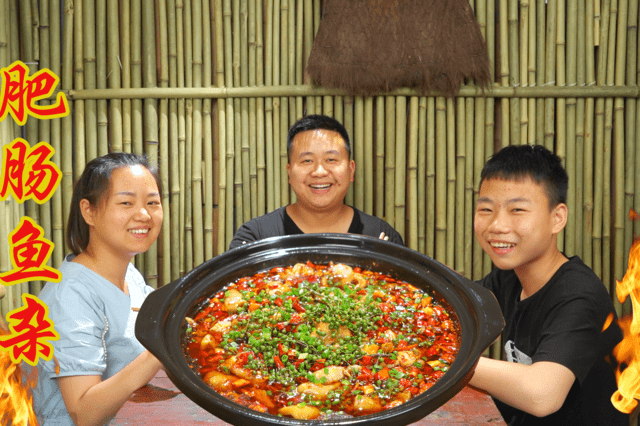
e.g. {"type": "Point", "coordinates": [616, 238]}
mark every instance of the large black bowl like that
{"type": "Point", "coordinates": [161, 318]}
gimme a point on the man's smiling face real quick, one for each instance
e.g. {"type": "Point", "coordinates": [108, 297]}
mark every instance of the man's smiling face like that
{"type": "Point", "coordinates": [514, 223]}
{"type": "Point", "coordinates": [319, 169]}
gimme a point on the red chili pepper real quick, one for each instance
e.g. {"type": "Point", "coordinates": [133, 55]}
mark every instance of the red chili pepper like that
{"type": "Point", "coordinates": [278, 361]}
{"type": "Point", "coordinates": [281, 349]}
{"type": "Point", "coordinates": [310, 265]}
{"type": "Point", "coordinates": [385, 307]}
{"type": "Point", "coordinates": [366, 360]}
{"type": "Point", "coordinates": [405, 383]}
{"type": "Point", "coordinates": [298, 307]}
{"type": "Point", "coordinates": [433, 350]}
{"type": "Point", "coordinates": [203, 313]}
{"type": "Point", "coordinates": [312, 278]}
{"type": "Point", "coordinates": [242, 359]}
{"type": "Point", "coordinates": [279, 301]}
{"type": "Point", "coordinates": [295, 319]}
{"type": "Point", "coordinates": [358, 270]}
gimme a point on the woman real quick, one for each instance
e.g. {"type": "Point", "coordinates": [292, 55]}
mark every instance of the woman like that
{"type": "Point", "coordinates": [115, 214]}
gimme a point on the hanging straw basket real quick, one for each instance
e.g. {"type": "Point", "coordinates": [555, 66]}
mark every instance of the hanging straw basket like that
{"type": "Point", "coordinates": [370, 46]}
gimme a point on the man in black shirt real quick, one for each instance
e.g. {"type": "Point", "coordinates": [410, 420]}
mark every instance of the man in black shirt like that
{"type": "Point", "coordinates": [558, 369]}
{"type": "Point", "coordinates": [320, 172]}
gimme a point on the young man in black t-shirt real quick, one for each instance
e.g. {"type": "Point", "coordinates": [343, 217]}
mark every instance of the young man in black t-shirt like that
{"type": "Point", "coordinates": [558, 367]}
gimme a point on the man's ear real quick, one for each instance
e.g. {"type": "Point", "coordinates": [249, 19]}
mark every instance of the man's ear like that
{"type": "Point", "coordinates": [352, 167]}
{"type": "Point", "coordinates": [87, 211]}
{"type": "Point", "coordinates": [559, 215]}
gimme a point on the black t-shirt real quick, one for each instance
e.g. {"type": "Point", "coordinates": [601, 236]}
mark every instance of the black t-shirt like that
{"type": "Point", "coordinates": [562, 323]}
{"type": "Point", "coordinates": [279, 223]}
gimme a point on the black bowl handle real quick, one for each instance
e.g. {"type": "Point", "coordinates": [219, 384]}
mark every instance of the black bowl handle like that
{"type": "Point", "coordinates": [490, 319]}
{"type": "Point", "coordinates": [150, 322]}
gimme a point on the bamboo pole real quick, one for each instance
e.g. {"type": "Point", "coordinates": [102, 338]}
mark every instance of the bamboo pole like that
{"type": "Point", "coordinates": [599, 147]}
{"type": "Point", "coordinates": [619, 213]}
{"type": "Point", "coordinates": [112, 135]}
{"type": "Point", "coordinates": [66, 123]}
{"type": "Point", "coordinates": [182, 138]}
{"type": "Point", "coordinates": [268, 81]}
{"type": "Point", "coordinates": [540, 67]}
{"type": "Point", "coordinates": [380, 157]}
{"type": "Point", "coordinates": [531, 74]}
{"type": "Point", "coordinates": [307, 90]}
{"type": "Point", "coordinates": [78, 83]}
{"type": "Point", "coordinates": [6, 137]}
{"type": "Point", "coordinates": [575, 115]}
{"type": "Point", "coordinates": [209, 142]}
{"type": "Point", "coordinates": [503, 74]}
{"type": "Point", "coordinates": [188, 145]}
{"type": "Point", "coordinates": [460, 181]}
{"type": "Point", "coordinates": [608, 126]}
{"type": "Point", "coordinates": [101, 77]}
{"type": "Point", "coordinates": [468, 186]}
{"type": "Point", "coordinates": [567, 237]}
{"type": "Point", "coordinates": [358, 153]}
{"type": "Point", "coordinates": [253, 119]}
{"type": "Point", "coordinates": [525, 124]}
{"type": "Point", "coordinates": [57, 225]}
{"type": "Point", "coordinates": [451, 181]}
{"type": "Point", "coordinates": [348, 125]}
{"type": "Point", "coordinates": [163, 145]}
{"type": "Point", "coordinates": [430, 238]}
{"type": "Point", "coordinates": [223, 190]}
{"type": "Point", "coordinates": [279, 188]}
{"type": "Point", "coordinates": [368, 150]}
{"type": "Point", "coordinates": [422, 173]}
{"type": "Point", "coordinates": [479, 160]}
{"type": "Point", "coordinates": [136, 78]}
{"type": "Point", "coordinates": [579, 125]}
{"type": "Point", "coordinates": [588, 175]}
{"type": "Point", "coordinates": [260, 119]}
{"type": "Point", "coordinates": [196, 150]}
{"type": "Point", "coordinates": [390, 160]}
{"type": "Point", "coordinates": [125, 62]}
{"type": "Point", "coordinates": [230, 128]}
{"type": "Point", "coordinates": [243, 20]}
{"type": "Point", "coordinates": [174, 148]}
{"type": "Point", "coordinates": [411, 236]}
{"type": "Point", "coordinates": [550, 78]}
{"type": "Point", "coordinates": [514, 75]}
{"type": "Point", "coordinates": [89, 52]}
{"type": "Point", "coordinates": [150, 121]}
{"type": "Point", "coordinates": [401, 165]}
{"type": "Point", "coordinates": [631, 132]}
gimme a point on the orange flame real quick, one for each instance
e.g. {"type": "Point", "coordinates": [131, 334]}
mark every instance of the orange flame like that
{"type": "Point", "coordinates": [628, 350]}
{"type": "Point", "coordinates": [16, 402]}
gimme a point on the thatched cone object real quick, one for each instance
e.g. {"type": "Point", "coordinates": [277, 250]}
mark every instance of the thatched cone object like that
{"type": "Point", "coordinates": [370, 46]}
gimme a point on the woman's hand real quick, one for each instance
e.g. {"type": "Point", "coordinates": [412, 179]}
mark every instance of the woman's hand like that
{"type": "Point", "coordinates": [91, 401]}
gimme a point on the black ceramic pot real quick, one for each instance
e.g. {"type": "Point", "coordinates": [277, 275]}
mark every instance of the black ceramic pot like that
{"type": "Point", "coordinates": [160, 324]}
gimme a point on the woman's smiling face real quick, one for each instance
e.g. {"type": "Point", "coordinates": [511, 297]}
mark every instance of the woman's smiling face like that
{"type": "Point", "coordinates": [320, 171]}
{"type": "Point", "coordinates": [129, 217]}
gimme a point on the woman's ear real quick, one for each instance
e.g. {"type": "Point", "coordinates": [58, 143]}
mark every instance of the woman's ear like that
{"type": "Point", "coordinates": [560, 213]}
{"type": "Point", "coordinates": [87, 211]}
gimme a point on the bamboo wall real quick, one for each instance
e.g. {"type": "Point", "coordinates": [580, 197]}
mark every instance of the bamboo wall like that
{"type": "Point", "coordinates": [208, 89]}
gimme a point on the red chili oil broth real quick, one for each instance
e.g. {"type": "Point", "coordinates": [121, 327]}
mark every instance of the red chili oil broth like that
{"type": "Point", "coordinates": [319, 341]}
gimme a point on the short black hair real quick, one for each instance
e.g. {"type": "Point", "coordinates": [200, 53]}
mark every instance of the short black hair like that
{"type": "Point", "coordinates": [315, 122]}
{"type": "Point", "coordinates": [518, 162]}
{"type": "Point", "coordinates": [92, 185]}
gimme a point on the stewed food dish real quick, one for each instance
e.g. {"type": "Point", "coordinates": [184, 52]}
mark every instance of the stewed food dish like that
{"type": "Point", "coordinates": [312, 341]}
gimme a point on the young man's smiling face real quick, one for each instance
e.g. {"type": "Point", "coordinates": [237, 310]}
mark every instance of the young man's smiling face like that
{"type": "Point", "coordinates": [320, 171]}
{"type": "Point", "coordinates": [515, 225]}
